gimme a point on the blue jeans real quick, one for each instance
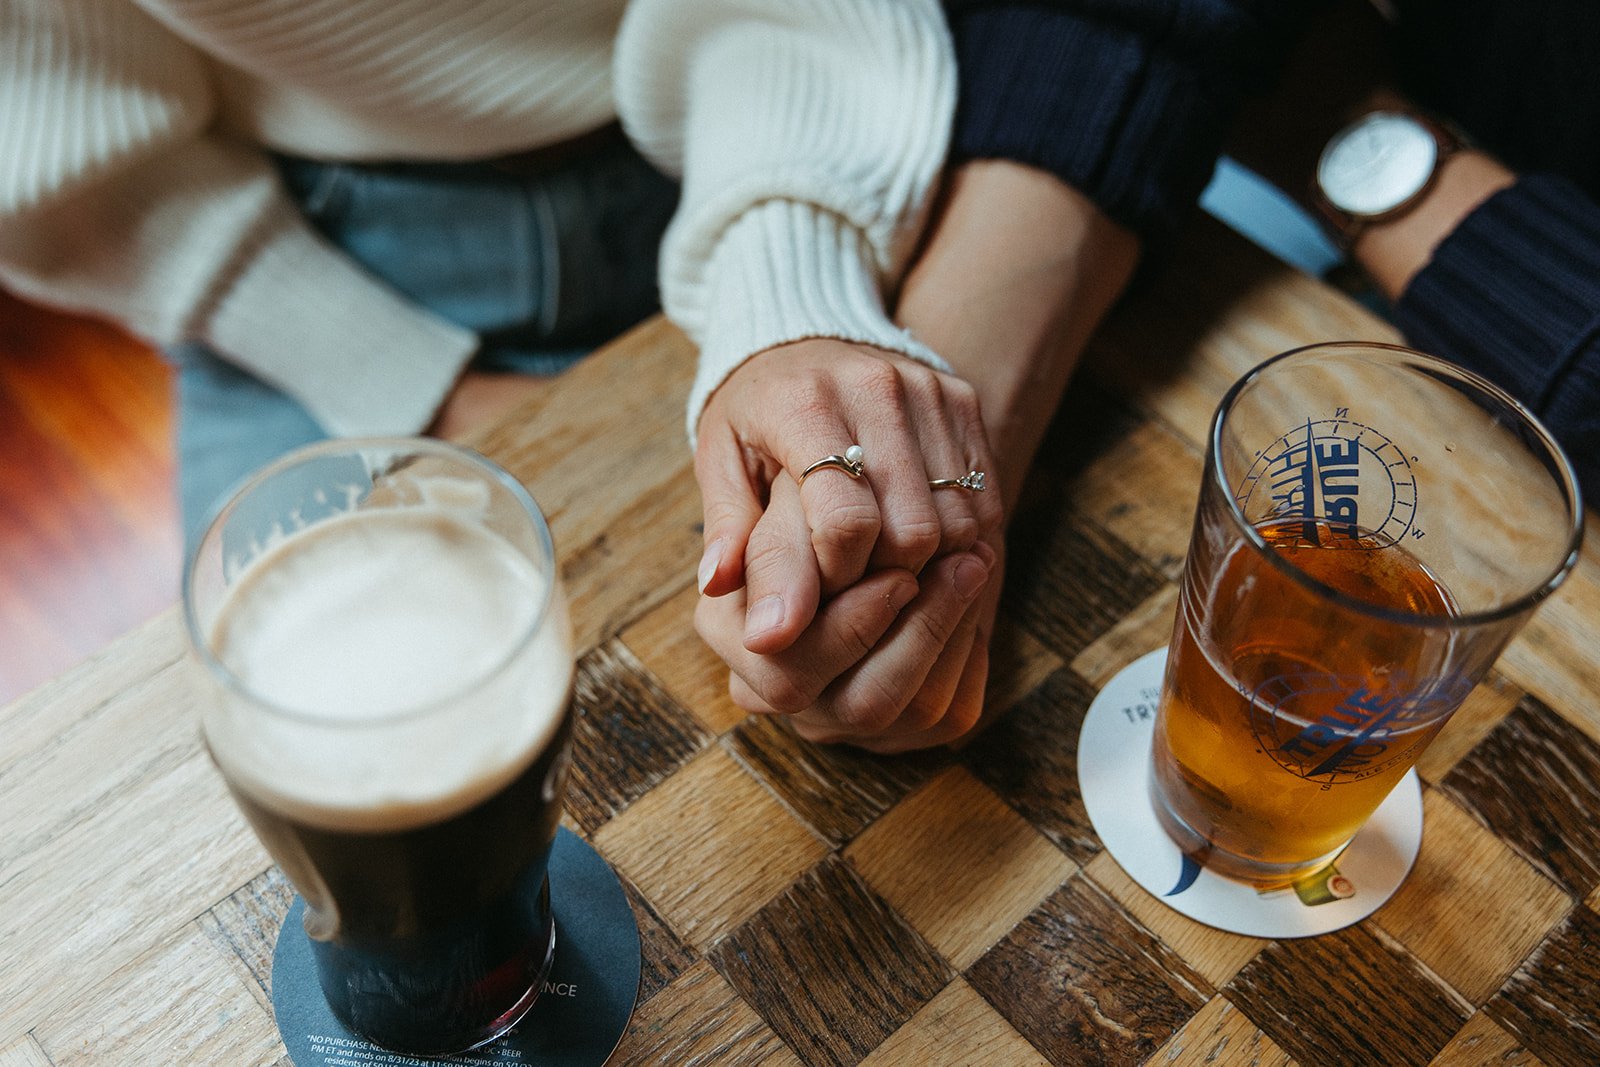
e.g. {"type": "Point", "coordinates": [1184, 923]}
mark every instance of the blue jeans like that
{"type": "Point", "coordinates": [543, 266]}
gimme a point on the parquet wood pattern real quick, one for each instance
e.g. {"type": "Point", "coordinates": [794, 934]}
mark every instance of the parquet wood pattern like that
{"type": "Point", "coordinates": [808, 905]}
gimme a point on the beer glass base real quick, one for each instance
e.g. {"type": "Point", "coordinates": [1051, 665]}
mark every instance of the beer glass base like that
{"type": "Point", "coordinates": [496, 1028]}
{"type": "Point", "coordinates": [504, 1024]}
{"type": "Point", "coordinates": [1261, 876]}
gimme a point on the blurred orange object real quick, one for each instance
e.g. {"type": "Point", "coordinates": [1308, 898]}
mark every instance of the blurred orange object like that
{"type": "Point", "coordinates": [90, 543]}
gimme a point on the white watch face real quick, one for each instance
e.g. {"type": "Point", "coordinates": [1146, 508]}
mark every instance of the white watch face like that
{"type": "Point", "coordinates": [1377, 164]}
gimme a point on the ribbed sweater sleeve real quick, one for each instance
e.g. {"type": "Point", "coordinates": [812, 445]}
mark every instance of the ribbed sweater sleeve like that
{"type": "Point", "coordinates": [116, 199]}
{"type": "Point", "coordinates": [1514, 294]}
{"type": "Point", "coordinates": [809, 135]}
{"type": "Point", "coordinates": [1126, 100]}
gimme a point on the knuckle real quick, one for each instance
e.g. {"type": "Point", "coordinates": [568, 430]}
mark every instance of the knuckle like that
{"type": "Point", "coordinates": [961, 532]}
{"type": "Point", "coordinates": [880, 384]}
{"type": "Point", "coordinates": [960, 719]}
{"type": "Point", "coordinates": [921, 715]}
{"type": "Point", "coordinates": [847, 529]}
{"type": "Point", "coordinates": [930, 629]}
{"type": "Point", "coordinates": [784, 692]}
{"type": "Point", "coordinates": [962, 397]}
{"type": "Point", "coordinates": [912, 539]}
{"type": "Point", "coordinates": [872, 710]}
{"type": "Point", "coordinates": [858, 635]}
{"type": "Point", "coordinates": [989, 511]}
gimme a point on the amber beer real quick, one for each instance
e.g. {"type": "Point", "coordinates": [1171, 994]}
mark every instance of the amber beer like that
{"type": "Point", "coordinates": [1277, 738]}
{"type": "Point", "coordinates": [1374, 525]}
{"type": "Point", "coordinates": [390, 704]}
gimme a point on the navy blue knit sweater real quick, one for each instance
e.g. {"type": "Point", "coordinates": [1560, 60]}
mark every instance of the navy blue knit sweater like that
{"type": "Point", "coordinates": [1129, 101]}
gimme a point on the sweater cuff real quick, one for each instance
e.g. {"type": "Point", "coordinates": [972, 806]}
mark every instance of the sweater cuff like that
{"type": "Point", "coordinates": [362, 360]}
{"type": "Point", "coordinates": [1514, 291]}
{"type": "Point", "coordinates": [785, 271]}
{"type": "Point", "coordinates": [1132, 116]}
{"type": "Point", "coordinates": [1514, 294]}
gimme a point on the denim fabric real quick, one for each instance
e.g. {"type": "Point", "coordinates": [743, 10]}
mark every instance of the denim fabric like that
{"type": "Point", "coordinates": [543, 267]}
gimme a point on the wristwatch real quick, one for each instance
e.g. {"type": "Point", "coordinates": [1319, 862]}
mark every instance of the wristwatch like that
{"type": "Point", "coordinates": [1378, 167]}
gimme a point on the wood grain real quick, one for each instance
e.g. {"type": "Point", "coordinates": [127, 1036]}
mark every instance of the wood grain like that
{"type": "Point", "coordinates": [1029, 758]}
{"type": "Point", "coordinates": [1472, 909]}
{"type": "Point", "coordinates": [953, 851]}
{"type": "Point", "coordinates": [1556, 657]}
{"type": "Point", "coordinates": [666, 643]}
{"type": "Point", "coordinates": [709, 847]}
{"type": "Point", "coordinates": [1550, 1003]}
{"type": "Point", "coordinates": [247, 922]}
{"type": "Point", "coordinates": [698, 1021]}
{"type": "Point", "coordinates": [1218, 1035]}
{"type": "Point", "coordinates": [628, 735]}
{"type": "Point", "coordinates": [1483, 1044]}
{"type": "Point", "coordinates": [866, 972]}
{"type": "Point", "coordinates": [127, 1018]}
{"type": "Point", "coordinates": [24, 1052]}
{"type": "Point", "coordinates": [609, 467]}
{"type": "Point", "coordinates": [1535, 781]}
{"type": "Point", "coordinates": [1144, 629]}
{"type": "Point", "coordinates": [1067, 580]}
{"type": "Point", "coordinates": [1143, 492]}
{"type": "Point", "coordinates": [1480, 713]}
{"type": "Point", "coordinates": [129, 883]}
{"type": "Point", "coordinates": [834, 789]}
{"type": "Point", "coordinates": [1213, 954]}
{"type": "Point", "coordinates": [88, 801]}
{"type": "Point", "coordinates": [1348, 997]}
{"type": "Point", "coordinates": [663, 956]}
{"type": "Point", "coordinates": [957, 1028]}
{"type": "Point", "coordinates": [1085, 984]}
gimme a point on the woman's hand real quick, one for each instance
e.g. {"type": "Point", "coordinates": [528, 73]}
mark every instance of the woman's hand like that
{"type": "Point", "coordinates": [790, 406]}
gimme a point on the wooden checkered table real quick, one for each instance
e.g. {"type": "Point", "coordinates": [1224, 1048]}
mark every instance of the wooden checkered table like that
{"type": "Point", "coordinates": [803, 904]}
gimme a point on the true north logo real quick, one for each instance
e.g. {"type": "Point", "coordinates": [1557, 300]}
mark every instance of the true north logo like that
{"type": "Point", "coordinates": [1330, 729]}
{"type": "Point", "coordinates": [1336, 472]}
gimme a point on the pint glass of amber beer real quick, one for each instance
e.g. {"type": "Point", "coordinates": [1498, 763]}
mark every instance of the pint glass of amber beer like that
{"type": "Point", "coordinates": [1374, 525]}
{"type": "Point", "coordinates": [388, 667]}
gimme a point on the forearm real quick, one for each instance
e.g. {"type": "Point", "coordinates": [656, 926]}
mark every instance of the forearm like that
{"type": "Point", "coordinates": [809, 136]}
{"type": "Point", "coordinates": [1019, 270]}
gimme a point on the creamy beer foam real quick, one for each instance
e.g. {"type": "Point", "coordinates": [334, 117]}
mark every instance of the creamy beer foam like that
{"type": "Point", "coordinates": [390, 650]}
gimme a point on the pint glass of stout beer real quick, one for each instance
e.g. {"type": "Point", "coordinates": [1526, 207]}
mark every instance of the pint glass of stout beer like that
{"type": "Point", "coordinates": [388, 667]}
{"type": "Point", "coordinates": [1374, 525]}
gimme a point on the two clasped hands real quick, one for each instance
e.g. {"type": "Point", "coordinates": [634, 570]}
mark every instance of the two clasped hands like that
{"type": "Point", "coordinates": [863, 608]}
{"type": "Point", "coordinates": [860, 605]}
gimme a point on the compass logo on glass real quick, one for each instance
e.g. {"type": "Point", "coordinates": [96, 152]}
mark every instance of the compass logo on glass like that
{"type": "Point", "coordinates": [1340, 472]}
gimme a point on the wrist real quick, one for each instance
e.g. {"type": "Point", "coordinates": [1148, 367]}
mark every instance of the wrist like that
{"type": "Point", "coordinates": [1019, 270]}
{"type": "Point", "coordinates": [1392, 251]}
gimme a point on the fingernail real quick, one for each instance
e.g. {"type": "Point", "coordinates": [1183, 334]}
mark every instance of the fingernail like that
{"type": "Point", "coordinates": [969, 578]}
{"type": "Point", "coordinates": [901, 595]}
{"type": "Point", "coordinates": [766, 615]}
{"type": "Point", "coordinates": [709, 561]}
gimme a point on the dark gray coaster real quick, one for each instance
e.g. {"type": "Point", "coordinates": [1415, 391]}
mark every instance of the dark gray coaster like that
{"type": "Point", "coordinates": [576, 1022]}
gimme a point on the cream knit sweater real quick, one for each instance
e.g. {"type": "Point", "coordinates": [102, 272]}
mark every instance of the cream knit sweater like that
{"type": "Point", "coordinates": [807, 133]}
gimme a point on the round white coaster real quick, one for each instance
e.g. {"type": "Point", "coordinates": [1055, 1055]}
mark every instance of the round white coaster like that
{"type": "Point", "coordinates": [1113, 776]}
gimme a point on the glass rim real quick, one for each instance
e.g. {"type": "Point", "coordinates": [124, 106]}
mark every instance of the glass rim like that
{"type": "Point", "coordinates": [201, 646]}
{"type": "Point", "coordinates": [1516, 605]}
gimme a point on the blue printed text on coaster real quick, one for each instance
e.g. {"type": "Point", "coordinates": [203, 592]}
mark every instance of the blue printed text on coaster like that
{"type": "Point", "coordinates": [577, 1021]}
{"type": "Point", "coordinates": [1114, 751]}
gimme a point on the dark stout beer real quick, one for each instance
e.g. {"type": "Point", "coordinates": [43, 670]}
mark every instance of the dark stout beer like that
{"type": "Point", "coordinates": [401, 749]}
{"type": "Point", "coordinates": [1284, 724]}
